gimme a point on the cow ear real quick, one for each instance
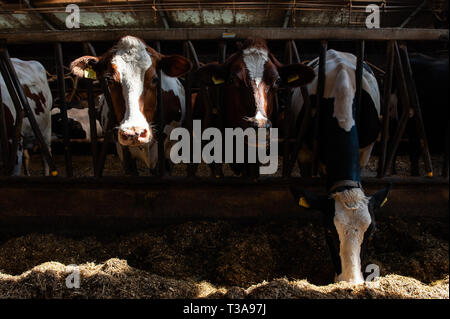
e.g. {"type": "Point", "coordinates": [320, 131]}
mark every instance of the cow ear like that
{"type": "Point", "coordinates": [296, 74]}
{"type": "Point", "coordinates": [174, 65]}
{"type": "Point", "coordinates": [84, 67]}
{"type": "Point", "coordinates": [211, 74]}
{"type": "Point", "coordinates": [306, 199]}
{"type": "Point", "coordinates": [380, 198]}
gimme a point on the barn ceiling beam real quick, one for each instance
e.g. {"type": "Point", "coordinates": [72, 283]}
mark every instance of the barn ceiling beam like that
{"type": "Point", "coordinates": [40, 16]}
{"type": "Point", "coordinates": [217, 33]}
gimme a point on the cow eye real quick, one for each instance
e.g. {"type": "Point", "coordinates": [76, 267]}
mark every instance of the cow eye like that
{"type": "Point", "coordinates": [108, 78]}
{"type": "Point", "coordinates": [155, 80]}
{"type": "Point", "coordinates": [277, 81]}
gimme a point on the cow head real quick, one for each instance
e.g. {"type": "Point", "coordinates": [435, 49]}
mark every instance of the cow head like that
{"type": "Point", "coordinates": [130, 68]}
{"type": "Point", "coordinates": [349, 221]}
{"type": "Point", "coordinates": [251, 78]}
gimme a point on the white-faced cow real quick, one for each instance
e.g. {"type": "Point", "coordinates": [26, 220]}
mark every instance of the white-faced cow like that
{"type": "Point", "coordinates": [130, 67]}
{"type": "Point", "coordinates": [33, 78]}
{"type": "Point", "coordinates": [349, 218]}
{"type": "Point", "coordinates": [250, 79]}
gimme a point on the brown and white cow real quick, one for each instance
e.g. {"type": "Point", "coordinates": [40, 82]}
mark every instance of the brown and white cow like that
{"type": "Point", "coordinates": [33, 78]}
{"type": "Point", "coordinates": [250, 80]}
{"type": "Point", "coordinates": [130, 67]}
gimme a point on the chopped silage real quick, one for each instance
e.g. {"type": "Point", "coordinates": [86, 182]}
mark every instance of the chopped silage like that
{"type": "Point", "coordinates": [224, 260]}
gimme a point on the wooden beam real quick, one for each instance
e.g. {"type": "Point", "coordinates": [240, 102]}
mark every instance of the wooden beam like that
{"type": "Point", "coordinates": [216, 33]}
{"type": "Point", "coordinates": [157, 201]}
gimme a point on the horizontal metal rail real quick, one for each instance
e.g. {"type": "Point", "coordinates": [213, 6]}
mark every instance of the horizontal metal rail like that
{"type": "Point", "coordinates": [309, 33]}
{"type": "Point", "coordinates": [157, 201]}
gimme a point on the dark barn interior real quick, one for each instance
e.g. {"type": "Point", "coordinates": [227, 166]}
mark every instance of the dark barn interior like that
{"type": "Point", "coordinates": [178, 231]}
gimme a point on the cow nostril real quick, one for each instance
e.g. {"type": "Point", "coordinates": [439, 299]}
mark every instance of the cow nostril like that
{"type": "Point", "coordinates": [143, 133]}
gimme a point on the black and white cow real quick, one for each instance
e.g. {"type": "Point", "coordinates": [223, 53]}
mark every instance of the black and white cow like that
{"type": "Point", "coordinates": [33, 78]}
{"type": "Point", "coordinates": [78, 122]}
{"type": "Point", "coordinates": [348, 212]}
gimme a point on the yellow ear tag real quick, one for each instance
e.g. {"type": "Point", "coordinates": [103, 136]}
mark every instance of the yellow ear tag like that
{"type": "Point", "coordinates": [384, 202]}
{"type": "Point", "coordinates": [216, 80]}
{"type": "Point", "coordinates": [303, 203]}
{"type": "Point", "coordinates": [292, 78]}
{"type": "Point", "coordinates": [89, 73]}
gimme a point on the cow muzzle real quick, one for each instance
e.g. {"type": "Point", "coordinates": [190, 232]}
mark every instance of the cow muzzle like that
{"type": "Point", "coordinates": [134, 136]}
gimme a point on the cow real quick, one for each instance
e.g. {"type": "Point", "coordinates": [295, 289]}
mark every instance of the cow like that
{"type": "Point", "coordinates": [249, 81]}
{"type": "Point", "coordinates": [78, 122]}
{"type": "Point", "coordinates": [349, 218]}
{"type": "Point", "coordinates": [32, 76]}
{"type": "Point", "coordinates": [130, 68]}
{"type": "Point", "coordinates": [431, 80]}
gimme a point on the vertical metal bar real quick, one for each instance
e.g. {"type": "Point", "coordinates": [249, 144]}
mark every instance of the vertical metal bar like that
{"type": "Point", "coordinates": [188, 99]}
{"type": "Point", "coordinates": [193, 55]}
{"type": "Point", "coordinates": [222, 51]}
{"type": "Point", "coordinates": [401, 84]}
{"type": "Point", "coordinates": [108, 133]}
{"type": "Point", "coordinates": [219, 90]}
{"type": "Point", "coordinates": [306, 117]}
{"type": "Point", "coordinates": [386, 109]}
{"type": "Point", "coordinates": [359, 76]}
{"type": "Point", "coordinates": [11, 155]}
{"type": "Point", "coordinates": [4, 147]}
{"type": "Point", "coordinates": [414, 99]}
{"type": "Point", "coordinates": [446, 151]}
{"type": "Point", "coordinates": [319, 96]}
{"type": "Point", "coordinates": [161, 155]}
{"type": "Point", "coordinates": [91, 112]}
{"type": "Point", "coordinates": [11, 79]}
{"type": "Point", "coordinates": [63, 108]}
{"type": "Point", "coordinates": [288, 113]}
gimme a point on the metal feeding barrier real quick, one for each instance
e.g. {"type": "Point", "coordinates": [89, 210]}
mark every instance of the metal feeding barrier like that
{"type": "Point", "coordinates": [397, 64]}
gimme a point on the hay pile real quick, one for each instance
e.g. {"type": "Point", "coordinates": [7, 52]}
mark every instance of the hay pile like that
{"type": "Point", "coordinates": [225, 259]}
{"type": "Point", "coordinates": [116, 279]}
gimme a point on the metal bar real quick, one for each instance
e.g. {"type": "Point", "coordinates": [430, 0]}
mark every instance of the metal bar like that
{"type": "Point", "coordinates": [161, 155]}
{"type": "Point", "coordinates": [288, 57]}
{"type": "Point", "coordinates": [158, 201]}
{"type": "Point", "coordinates": [385, 108]}
{"type": "Point", "coordinates": [163, 16]}
{"type": "Point", "coordinates": [23, 105]}
{"type": "Point", "coordinates": [11, 155]}
{"type": "Point", "coordinates": [308, 33]}
{"type": "Point", "coordinates": [188, 99]}
{"type": "Point", "coordinates": [193, 54]}
{"type": "Point", "coordinates": [414, 99]}
{"type": "Point", "coordinates": [359, 76]}
{"type": "Point", "coordinates": [413, 14]}
{"type": "Point", "coordinates": [63, 107]}
{"type": "Point", "coordinates": [446, 151]}
{"type": "Point", "coordinates": [319, 96]}
{"type": "Point", "coordinates": [222, 51]}
{"type": "Point", "coordinates": [39, 15]}
{"type": "Point", "coordinates": [306, 118]}
{"type": "Point", "coordinates": [401, 85]}
{"type": "Point", "coordinates": [4, 147]}
{"type": "Point", "coordinates": [108, 133]}
{"type": "Point", "coordinates": [88, 49]}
